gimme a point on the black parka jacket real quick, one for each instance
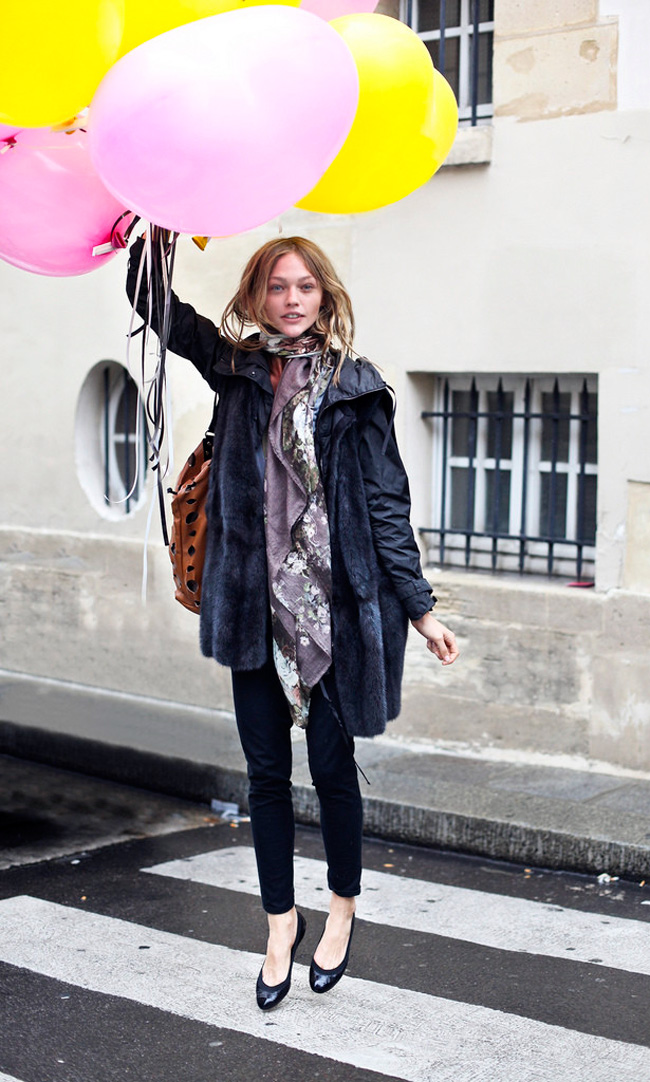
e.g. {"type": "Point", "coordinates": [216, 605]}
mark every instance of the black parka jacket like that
{"type": "Point", "coordinates": [377, 581]}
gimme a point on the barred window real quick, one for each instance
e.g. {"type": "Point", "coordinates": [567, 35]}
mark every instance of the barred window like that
{"type": "Point", "coordinates": [110, 439]}
{"type": "Point", "coordinates": [515, 473]}
{"type": "Point", "coordinates": [459, 35]}
{"type": "Point", "coordinates": [121, 403]}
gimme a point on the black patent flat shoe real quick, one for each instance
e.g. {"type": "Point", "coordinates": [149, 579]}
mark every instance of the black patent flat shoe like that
{"type": "Point", "coordinates": [321, 980]}
{"type": "Point", "coordinates": [268, 996]}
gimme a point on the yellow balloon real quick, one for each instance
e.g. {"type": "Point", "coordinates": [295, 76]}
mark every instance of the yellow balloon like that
{"type": "Point", "coordinates": [147, 18]}
{"type": "Point", "coordinates": [53, 57]}
{"type": "Point", "coordinates": [399, 136]}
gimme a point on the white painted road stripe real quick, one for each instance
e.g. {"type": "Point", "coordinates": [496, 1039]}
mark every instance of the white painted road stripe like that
{"type": "Point", "coordinates": [394, 1031]}
{"type": "Point", "coordinates": [493, 920]}
{"type": "Point", "coordinates": [7, 1078]}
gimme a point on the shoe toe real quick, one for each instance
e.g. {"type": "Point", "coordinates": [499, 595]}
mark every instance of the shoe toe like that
{"type": "Point", "coordinates": [269, 996]}
{"type": "Point", "coordinates": [321, 980]}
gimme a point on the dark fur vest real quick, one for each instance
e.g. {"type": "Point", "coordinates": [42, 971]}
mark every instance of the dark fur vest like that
{"type": "Point", "coordinates": [369, 624]}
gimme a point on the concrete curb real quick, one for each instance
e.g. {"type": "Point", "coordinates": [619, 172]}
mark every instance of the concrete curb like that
{"type": "Point", "coordinates": [517, 843]}
{"type": "Point", "coordinates": [520, 842]}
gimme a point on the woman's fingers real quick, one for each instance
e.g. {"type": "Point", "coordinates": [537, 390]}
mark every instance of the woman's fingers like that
{"type": "Point", "coordinates": [440, 640]}
{"type": "Point", "coordinates": [452, 647]}
{"type": "Point", "coordinates": [444, 646]}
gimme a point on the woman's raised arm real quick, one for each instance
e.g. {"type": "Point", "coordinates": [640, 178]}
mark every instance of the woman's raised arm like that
{"type": "Point", "coordinates": [191, 335]}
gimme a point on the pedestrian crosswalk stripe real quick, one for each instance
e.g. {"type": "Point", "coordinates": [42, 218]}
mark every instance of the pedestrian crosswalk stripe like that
{"type": "Point", "coordinates": [397, 1032]}
{"type": "Point", "coordinates": [492, 920]}
{"type": "Point", "coordinates": [7, 1078]}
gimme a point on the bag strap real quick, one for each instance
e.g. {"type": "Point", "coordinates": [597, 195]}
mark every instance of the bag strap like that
{"type": "Point", "coordinates": [208, 439]}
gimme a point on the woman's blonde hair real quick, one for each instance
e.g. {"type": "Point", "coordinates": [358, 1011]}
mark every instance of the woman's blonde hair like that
{"type": "Point", "coordinates": [335, 320]}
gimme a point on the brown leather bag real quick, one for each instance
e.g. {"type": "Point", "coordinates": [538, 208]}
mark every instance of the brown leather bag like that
{"type": "Point", "coordinates": [190, 523]}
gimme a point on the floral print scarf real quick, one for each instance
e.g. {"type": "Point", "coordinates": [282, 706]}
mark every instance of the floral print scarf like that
{"type": "Point", "coordinates": [296, 524]}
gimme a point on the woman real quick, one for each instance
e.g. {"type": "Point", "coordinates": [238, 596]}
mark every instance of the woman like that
{"type": "Point", "coordinates": [312, 570]}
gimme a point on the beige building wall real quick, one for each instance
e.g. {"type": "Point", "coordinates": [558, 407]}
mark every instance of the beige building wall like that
{"type": "Point", "coordinates": [527, 253]}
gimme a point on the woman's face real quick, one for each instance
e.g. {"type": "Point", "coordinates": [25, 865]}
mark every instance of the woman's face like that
{"type": "Point", "coordinates": [293, 296]}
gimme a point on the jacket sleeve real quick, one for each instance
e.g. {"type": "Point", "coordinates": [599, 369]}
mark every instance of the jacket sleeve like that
{"type": "Point", "coordinates": [389, 504]}
{"type": "Point", "coordinates": [191, 335]}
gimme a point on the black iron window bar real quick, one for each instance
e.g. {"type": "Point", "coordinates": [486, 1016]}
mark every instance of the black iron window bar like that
{"type": "Point", "coordinates": [474, 66]}
{"type": "Point", "coordinates": [498, 417]}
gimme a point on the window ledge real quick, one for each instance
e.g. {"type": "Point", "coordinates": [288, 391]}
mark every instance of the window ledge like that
{"type": "Point", "coordinates": [472, 146]}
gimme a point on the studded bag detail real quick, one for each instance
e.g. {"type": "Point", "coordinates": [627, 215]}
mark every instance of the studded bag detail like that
{"type": "Point", "coordinates": [190, 523]}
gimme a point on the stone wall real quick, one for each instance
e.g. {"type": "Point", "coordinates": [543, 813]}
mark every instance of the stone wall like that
{"type": "Point", "coordinates": [545, 669]}
{"type": "Point", "coordinates": [553, 59]}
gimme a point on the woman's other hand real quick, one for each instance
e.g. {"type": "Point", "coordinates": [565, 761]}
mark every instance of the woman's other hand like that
{"type": "Point", "coordinates": [440, 640]}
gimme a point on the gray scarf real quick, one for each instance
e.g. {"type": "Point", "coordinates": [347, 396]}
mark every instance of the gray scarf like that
{"type": "Point", "coordinates": [297, 529]}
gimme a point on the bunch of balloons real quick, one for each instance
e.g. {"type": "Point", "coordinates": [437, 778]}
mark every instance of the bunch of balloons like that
{"type": "Point", "coordinates": [205, 117]}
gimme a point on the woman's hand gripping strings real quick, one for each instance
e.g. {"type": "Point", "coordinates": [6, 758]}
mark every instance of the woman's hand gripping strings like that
{"type": "Point", "coordinates": [440, 640]}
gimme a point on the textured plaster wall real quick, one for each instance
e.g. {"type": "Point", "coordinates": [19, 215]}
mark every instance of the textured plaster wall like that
{"type": "Point", "coordinates": [633, 70]}
{"type": "Point", "coordinates": [553, 59]}
{"type": "Point", "coordinates": [536, 263]}
{"type": "Point", "coordinates": [544, 669]}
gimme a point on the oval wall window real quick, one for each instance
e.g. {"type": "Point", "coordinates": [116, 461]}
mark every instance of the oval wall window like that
{"type": "Point", "coordinates": [110, 441]}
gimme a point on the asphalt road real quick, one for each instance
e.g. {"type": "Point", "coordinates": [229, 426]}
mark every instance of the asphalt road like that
{"type": "Point", "coordinates": [131, 935]}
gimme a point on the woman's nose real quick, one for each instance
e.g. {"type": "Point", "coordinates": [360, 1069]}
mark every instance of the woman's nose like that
{"type": "Point", "coordinates": [292, 295]}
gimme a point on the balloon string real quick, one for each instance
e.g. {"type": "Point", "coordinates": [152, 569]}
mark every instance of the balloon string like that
{"type": "Point", "coordinates": [158, 256]}
{"type": "Point", "coordinates": [163, 250]}
{"type": "Point", "coordinates": [137, 479]}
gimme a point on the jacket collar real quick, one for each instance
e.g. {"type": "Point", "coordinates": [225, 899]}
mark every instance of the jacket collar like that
{"type": "Point", "coordinates": [357, 377]}
{"type": "Point", "coordinates": [253, 364]}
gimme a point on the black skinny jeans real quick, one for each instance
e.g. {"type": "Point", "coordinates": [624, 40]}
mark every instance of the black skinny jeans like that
{"type": "Point", "coordinates": [264, 724]}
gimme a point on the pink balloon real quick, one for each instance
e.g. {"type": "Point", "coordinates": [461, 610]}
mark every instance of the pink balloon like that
{"type": "Point", "coordinates": [53, 207]}
{"type": "Point", "coordinates": [332, 9]}
{"type": "Point", "coordinates": [6, 132]}
{"type": "Point", "coordinates": [221, 124]}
